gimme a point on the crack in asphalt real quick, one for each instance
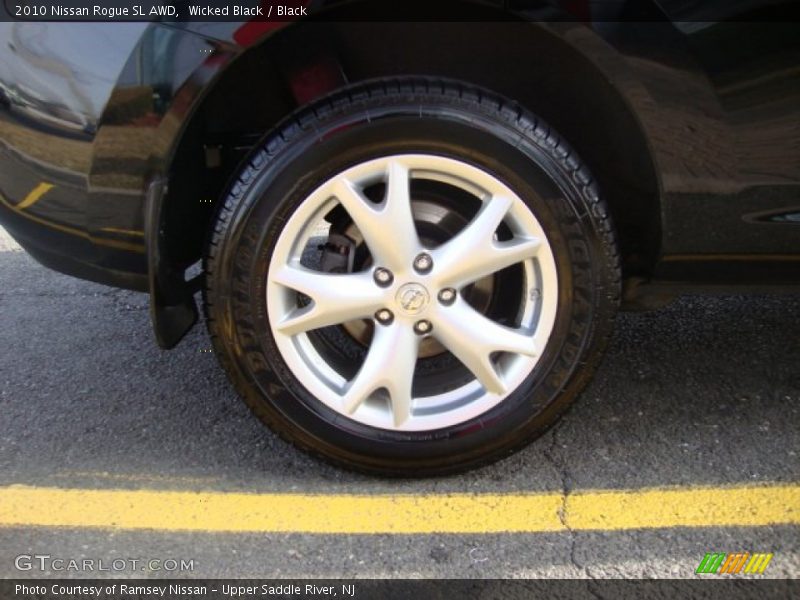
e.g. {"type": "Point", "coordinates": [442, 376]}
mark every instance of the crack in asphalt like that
{"type": "Point", "coordinates": [563, 474]}
{"type": "Point", "coordinates": [552, 455]}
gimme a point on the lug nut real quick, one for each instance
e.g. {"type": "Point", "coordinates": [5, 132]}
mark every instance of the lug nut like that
{"type": "Point", "coordinates": [423, 263]}
{"type": "Point", "coordinates": [384, 316]}
{"type": "Point", "coordinates": [422, 327]}
{"type": "Point", "coordinates": [383, 277]}
{"type": "Point", "coordinates": [447, 296]}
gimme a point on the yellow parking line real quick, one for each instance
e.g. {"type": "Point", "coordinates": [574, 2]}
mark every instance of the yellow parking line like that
{"type": "Point", "coordinates": [685, 507]}
{"type": "Point", "coordinates": [34, 195]}
{"type": "Point", "coordinates": [405, 514]}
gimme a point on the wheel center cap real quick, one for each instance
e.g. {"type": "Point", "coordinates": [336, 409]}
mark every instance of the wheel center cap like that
{"type": "Point", "coordinates": [412, 298]}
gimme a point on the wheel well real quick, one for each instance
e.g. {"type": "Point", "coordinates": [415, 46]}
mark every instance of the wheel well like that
{"type": "Point", "coordinates": [522, 61]}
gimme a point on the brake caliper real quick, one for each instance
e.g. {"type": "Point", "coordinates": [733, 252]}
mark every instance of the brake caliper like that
{"type": "Point", "coordinates": [338, 254]}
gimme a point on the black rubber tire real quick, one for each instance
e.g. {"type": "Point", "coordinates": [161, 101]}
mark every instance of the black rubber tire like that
{"type": "Point", "coordinates": [411, 115]}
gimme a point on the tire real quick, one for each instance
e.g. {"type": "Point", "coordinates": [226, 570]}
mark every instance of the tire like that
{"type": "Point", "coordinates": [315, 358]}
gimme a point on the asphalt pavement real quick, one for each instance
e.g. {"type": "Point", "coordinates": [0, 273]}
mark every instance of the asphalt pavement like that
{"type": "Point", "coordinates": [702, 394]}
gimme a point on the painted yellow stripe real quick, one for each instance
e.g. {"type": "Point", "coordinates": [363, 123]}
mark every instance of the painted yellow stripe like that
{"type": "Point", "coordinates": [407, 514]}
{"type": "Point", "coordinates": [278, 512]}
{"type": "Point", "coordinates": [34, 195]}
{"type": "Point", "coordinates": [686, 507]}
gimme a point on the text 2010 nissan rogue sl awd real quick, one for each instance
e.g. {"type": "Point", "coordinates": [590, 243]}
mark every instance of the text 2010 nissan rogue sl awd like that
{"type": "Point", "coordinates": [414, 236]}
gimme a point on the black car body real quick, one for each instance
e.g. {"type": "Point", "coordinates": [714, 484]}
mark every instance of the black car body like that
{"type": "Point", "coordinates": [118, 140]}
{"type": "Point", "coordinates": [697, 123]}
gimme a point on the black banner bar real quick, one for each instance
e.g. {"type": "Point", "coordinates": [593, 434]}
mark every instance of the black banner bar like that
{"type": "Point", "coordinates": [403, 589]}
{"type": "Point", "coordinates": [588, 11]}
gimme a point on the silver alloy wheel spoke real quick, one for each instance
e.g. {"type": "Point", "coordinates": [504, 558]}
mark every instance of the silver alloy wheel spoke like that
{"type": "Point", "coordinates": [474, 253]}
{"type": "Point", "coordinates": [335, 298]}
{"type": "Point", "coordinates": [389, 365]}
{"type": "Point", "coordinates": [388, 228]}
{"type": "Point", "coordinates": [473, 338]}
